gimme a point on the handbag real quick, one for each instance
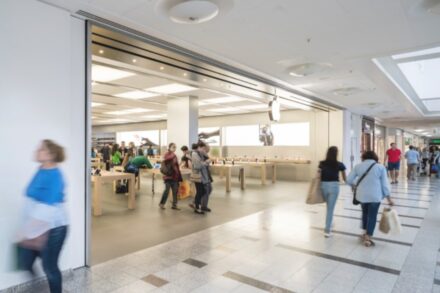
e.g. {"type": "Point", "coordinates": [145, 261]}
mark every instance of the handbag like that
{"type": "Point", "coordinates": [314, 195]}
{"type": "Point", "coordinates": [195, 177]}
{"type": "Point", "coordinates": [384, 225]}
{"type": "Point", "coordinates": [355, 186]}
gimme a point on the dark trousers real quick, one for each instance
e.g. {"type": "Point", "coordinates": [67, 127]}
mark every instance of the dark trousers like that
{"type": "Point", "coordinates": [49, 256]}
{"type": "Point", "coordinates": [369, 216]}
{"type": "Point", "coordinates": [207, 192]}
{"type": "Point", "coordinates": [174, 186]}
{"type": "Point", "coordinates": [200, 192]}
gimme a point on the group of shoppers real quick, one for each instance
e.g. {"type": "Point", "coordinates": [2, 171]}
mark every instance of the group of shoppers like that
{"type": "Point", "coordinates": [197, 160]}
{"type": "Point", "coordinates": [371, 182]}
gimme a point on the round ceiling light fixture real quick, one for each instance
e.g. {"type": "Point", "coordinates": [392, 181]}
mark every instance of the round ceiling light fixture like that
{"type": "Point", "coordinates": [193, 11]}
{"type": "Point", "coordinates": [306, 69]}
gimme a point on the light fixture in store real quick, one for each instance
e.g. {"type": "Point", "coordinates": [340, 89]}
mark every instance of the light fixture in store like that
{"type": "Point", "coordinates": [106, 74]}
{"type": "Point", "coordinates": [94, 104]}
{"type": "Point", "coordinates": [253, 107]}
{"type": "Point", "coordinates": [274, 110]}
{"type": "Point", "coordinates": [160, 116]}
{"type": "Point", "coordinates": [101, 51]}
{"type": "Point", "coordinates": [172, 88]}
{"type": "Point", "coordinates": [306, 69]}
{"type": "Point", "coordinates": [116, 120]}
{"type": "Point", "coordinates": [129, 111]}
{"type": "Point", "coordinates": [193, 11]}
{"type": "Point", "coordinates": [134, 60]}
{"type": "Point", "coordinates": [221, 100]}
{"type": "Point", "coordinates": [419, 130]}
{"type": "Point", "coordinates": [135, 95]}
{"type": "Point", "coordinates": [225, 110]}
{"type": "Point", "coordinates": [161, 68]}
{"type": "Point", "coordinates": [185, 74]}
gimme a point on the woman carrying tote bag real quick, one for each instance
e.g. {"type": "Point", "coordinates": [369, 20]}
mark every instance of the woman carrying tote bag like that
{"type": "Point", "coordinates": [370, 192]}
{"type": "Point", "coordinates": [329, 172]}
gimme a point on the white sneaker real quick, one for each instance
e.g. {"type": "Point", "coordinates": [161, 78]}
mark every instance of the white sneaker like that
{"type": "Point", "coordinates": [328, 235]}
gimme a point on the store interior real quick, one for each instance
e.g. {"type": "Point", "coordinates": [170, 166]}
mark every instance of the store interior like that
{"type": "Point", "coordinates": [130, 97]}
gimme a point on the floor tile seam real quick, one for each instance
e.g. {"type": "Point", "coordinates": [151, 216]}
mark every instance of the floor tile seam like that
{"type": "Point", "coordinates": [354, 218]}
{"type": "Point", "coordinates": [343, 260]}
{"type": "Point", "coordinates": [249, 279]}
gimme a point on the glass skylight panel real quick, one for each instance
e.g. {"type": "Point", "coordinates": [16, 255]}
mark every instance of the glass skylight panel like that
{"type": "Point", "coordinates": [172, 88]}
{"type": "Point", "coordinates": [136, 95]}
{"type": "Point", "coordinates": [432, 105]}
{"type": "Point", "coordinates": [106, 74]}
{"type": "Point", "coordinates": [417, 53]}
{"type": "Point", "coordinates": [424, 77]}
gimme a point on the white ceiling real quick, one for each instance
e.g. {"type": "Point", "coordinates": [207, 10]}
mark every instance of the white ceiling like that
{"type": "Point", "coordinates": [112, 105]}
{"type": "Point", "coordinates": [267, 37]}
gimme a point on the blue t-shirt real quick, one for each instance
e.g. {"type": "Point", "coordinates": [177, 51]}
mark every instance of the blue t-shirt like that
{"type": "Point", "coordinates": [47, 186]}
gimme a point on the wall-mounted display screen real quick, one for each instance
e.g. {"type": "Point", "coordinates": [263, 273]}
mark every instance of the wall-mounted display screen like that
{"type": "Point", "coordinates": [210, 135]}
{"type": "Point", "coordinates": [291, 134]}
{"type": "Point", "coordinates": [148, 137]}
{"type": "Point", "coordinates": [246, 135]}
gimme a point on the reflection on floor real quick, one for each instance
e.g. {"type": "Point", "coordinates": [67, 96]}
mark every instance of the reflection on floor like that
{"type": "Point", "coordinates": [120, 231]}
{"type": "Point", "coordinates": [282, 249]}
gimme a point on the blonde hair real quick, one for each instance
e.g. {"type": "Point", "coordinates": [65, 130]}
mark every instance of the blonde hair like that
{"type": "Point", "coordinates": [55, 150]}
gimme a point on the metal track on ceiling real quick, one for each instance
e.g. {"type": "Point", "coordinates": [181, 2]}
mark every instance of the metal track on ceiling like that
{"type": "Point", "coordinates": [117, 37]}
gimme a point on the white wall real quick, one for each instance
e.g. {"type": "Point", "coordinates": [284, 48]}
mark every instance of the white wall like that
{"type": "Point", "coordinates": [42, 96]}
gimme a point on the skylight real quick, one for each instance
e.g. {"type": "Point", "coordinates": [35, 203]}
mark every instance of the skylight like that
{"type": "Point", "coordinates": [129, 111]}
{"type": "Point", "coordinates": [417, 53]}
{"type": "Point", "coordinates": [106, 74]}
{"type": "Point", "coordinates": [423, 76]}
{"type": "Point", "coordinates": [172, 88]}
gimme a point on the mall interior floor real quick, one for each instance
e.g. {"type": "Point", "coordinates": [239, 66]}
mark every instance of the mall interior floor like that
{"type": "Point", "coordinates": [120, 231]}
{"type": "Point", "coordinates": [281, 248]}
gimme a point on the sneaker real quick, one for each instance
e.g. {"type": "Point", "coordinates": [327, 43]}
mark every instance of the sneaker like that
{"type": "Point", "coordinates": [200, 212]}
{"type": "Point", "coordinates": [162, 206]}
{"type": "Point", "coordinates": [175, 208]}
{"type": "Point", "coordinates": [327, 234]}
{"type": "Point", "coordinates": [206, 209]}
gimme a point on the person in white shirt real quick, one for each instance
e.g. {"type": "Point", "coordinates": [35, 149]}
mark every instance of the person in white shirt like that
{"type": "Point", "coordinates": [412, 160]}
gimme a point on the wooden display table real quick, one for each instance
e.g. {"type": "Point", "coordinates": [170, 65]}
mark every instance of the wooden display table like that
{"type": "Point", "coordinates": [263, 168]}
{"type": "Point", "coordinates": [227, 171]}
{"type": "Point", "coordinates": [96, 163]}
{"type": "Point", "coordinates": [121, 169]}
{"type": "Point", "coordinates": [111, 177]}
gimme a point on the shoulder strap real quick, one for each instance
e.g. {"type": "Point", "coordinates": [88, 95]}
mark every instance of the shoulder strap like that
{"type": "Point", "coordinates": [365, 174]}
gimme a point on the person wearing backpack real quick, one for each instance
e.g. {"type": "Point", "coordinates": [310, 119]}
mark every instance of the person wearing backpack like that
{"type": "Point", "coordinates": [171, 176]}
{"type": "Point", "coordinates": [371, 184]}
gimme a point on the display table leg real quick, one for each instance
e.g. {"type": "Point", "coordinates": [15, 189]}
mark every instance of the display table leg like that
{"type": "Point", "coordinates": [131, 193]}
{"type": "Point", "coordinates": [97, 210]}
{"type": "Point", "coordinates": [242, 179]}
{"type": "Point", "coordinates": [263, 175]}
{"type": "Point", "coordinates": [274, 173]}
{"type": "Point", "coordinates": [228, 179]}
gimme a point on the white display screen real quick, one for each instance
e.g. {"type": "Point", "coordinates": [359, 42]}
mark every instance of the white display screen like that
{"type": "Point", "coordinates": [247, 135]}
{"type": "Point", "coordinates": [138, 136]}
{"type": "Point", "coordinates": [291, 134]}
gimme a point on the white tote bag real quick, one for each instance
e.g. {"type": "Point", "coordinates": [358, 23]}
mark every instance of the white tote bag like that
{"type": "Point", "coordinates": [395, 226]}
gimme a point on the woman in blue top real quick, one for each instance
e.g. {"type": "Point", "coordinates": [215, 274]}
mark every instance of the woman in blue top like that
{"type": "Point", "coordinates": [329, 170]}
{"type": "Point", "coordinates": [45, 222]}
{"type": "Point", "coordinates": [370, 192]}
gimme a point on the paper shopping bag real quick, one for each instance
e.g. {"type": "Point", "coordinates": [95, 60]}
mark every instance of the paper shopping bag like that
{"type": "Point", "coordinates": [315, 194]}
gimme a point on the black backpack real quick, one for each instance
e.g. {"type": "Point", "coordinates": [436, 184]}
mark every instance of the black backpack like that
{"type": "Point", "coordinates": [167, 168]}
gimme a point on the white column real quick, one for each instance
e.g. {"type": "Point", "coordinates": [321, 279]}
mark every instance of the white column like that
{"type": "Point", "coordinates": [183, 121]}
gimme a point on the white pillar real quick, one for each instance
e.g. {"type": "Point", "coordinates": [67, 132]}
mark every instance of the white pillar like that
{"type": "Point", "coordinates": [183, 121]}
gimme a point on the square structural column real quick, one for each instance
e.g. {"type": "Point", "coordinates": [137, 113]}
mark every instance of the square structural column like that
{"type": "Point", "coordinates": [183, 121]}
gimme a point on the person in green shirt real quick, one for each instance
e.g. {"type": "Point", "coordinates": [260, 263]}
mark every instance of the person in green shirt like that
{"type": "Point", "coordinates": [116, 155]}
{"type": "Point", "coordinates": [140, 160]}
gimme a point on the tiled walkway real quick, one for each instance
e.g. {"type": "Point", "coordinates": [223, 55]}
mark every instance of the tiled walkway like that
{"type": "Point", "coordinates": [282, 249]}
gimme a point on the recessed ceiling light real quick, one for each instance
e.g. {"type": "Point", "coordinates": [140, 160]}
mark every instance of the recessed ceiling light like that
{"type": "Point", "coordinates": [254, 107]}
{"type": "Point", "coordinates": [161, 68]}
{"type": "Point", "coordinates": [160, 116]}
{"type": "Point", "coordinates": [106, 74]}
{"type": "Point", "coordinates": [205, 80]}
{"type": "Point", "coordinates": [94, 104]}
{"type": "Point", "coordinates": [193, 11]}
{"type": "Point", "coordinates": [225, 110]}
{"type": "Point", "coordinates": [101, 51]}
{"type": "Point", "coordinates": [306, 69]}
{"type": "Point", "coordinates": [419, 130]}
{"type": "Point", "coordinates": [134, 60]}
{"type": "Point", "coordinates": [221, 100]}
{"type": "Point", "coordinates": [135, 95]}
{"type": "Point", "coordinates": [173, 88]}
{"type": "Point", "coordinates": [129, 111]}
{"type": "Point", "coordinates": [185, 74]}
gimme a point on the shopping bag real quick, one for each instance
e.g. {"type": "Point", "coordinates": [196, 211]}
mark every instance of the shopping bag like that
{"type": "Point", "coordinates": [384, 225]}
{"type": "Point", "coordinates": [184, 190]}
{"type": "Point", "coordinates": [315, 194]}
{"type": "Point", "coordinates": [394, 221]}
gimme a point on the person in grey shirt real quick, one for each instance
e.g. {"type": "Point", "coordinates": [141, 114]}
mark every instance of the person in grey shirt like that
{"type": "Point", "coordinates": [412, 161]}
{"type": "Point", "coordinates": [370, 192]}
{"type": "Point", "coordinates": [200, 166]}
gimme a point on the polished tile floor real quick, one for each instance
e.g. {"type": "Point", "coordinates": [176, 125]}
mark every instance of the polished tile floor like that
{"type": "Point", "coordinates": [282, 249]}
